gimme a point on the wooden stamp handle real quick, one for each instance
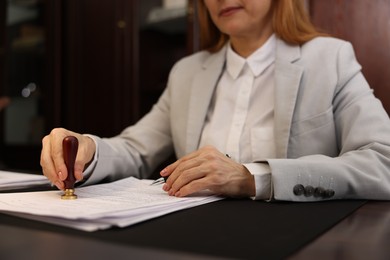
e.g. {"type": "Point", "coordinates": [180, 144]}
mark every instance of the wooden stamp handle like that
{"type": "Point", "coordinates": [70, 145]}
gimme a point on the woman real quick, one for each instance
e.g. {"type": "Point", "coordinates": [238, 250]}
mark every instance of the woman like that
{"type": "Point", "coordinates": [269, 110]}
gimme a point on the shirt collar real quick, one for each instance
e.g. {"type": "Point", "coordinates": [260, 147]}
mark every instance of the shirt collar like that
{"type": "Point", "coordinates": [257, 61]}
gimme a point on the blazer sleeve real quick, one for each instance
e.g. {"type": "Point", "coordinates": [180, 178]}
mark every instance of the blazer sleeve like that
{"type": "Point", "coordinates": [137, 150]}
{"type": "Point", "coordinates": [161, 133]}
{"type": "Point", "coordinates": [362, 168]}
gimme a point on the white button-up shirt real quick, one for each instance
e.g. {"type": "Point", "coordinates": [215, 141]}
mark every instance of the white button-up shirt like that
{"type": "Point", "coordinates": [240, 120]}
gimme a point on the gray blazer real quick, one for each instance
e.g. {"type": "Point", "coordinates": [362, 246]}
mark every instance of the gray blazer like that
{"type": "Point", "coordinates": [331, 133]}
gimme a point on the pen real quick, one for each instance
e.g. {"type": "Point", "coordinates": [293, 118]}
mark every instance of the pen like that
{"type": "Point", "coordinates": [160, 180]}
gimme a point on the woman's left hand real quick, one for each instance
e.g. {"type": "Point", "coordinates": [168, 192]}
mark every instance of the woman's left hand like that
{"type": "Point", "coordinates": [207, 168]}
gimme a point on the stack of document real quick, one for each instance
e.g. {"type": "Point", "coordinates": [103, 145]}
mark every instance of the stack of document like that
{"type": "Point", "coordinates": [120, 203]}
{"type": "Point", "coordinates": [15, 180]}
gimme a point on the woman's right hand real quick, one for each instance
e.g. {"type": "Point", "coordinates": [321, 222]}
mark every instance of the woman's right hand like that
{"type": "Point", "coordinates": [52, 159]}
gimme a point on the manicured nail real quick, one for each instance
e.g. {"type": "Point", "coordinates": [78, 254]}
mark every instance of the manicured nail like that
{"type": "Point", "coordinates": [58, 185]}
{"type": "Point", "coordinates": [163, 172]}
{"type": "Point", "coordinates": [60, 175]}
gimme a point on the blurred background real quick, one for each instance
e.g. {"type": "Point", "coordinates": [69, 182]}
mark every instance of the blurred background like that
{"type": "Point", "coordinates": [98, 66]}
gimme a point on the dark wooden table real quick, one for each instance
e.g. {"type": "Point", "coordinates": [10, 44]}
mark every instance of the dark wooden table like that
{"type": "Point", "coordinates": [365, 234]}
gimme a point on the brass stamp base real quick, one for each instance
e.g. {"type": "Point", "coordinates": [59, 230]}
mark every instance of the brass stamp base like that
{"type": "Point", "coordinates": [69, 195]}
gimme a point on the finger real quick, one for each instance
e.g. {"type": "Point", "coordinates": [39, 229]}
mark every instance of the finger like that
{"type": "Point", "coordinates": [80, 161]}
{"type": "Point", "coordinates": [167, 171]}
{"type": "Point", "coordinates": [187, 172]}
{"type": "Point", "coordinates": [86, 152]}
{"type": "Point", "coordinates": [78, 170]}
{"type": "Point", "coordinates": [196, 158]}
{"type": "Point", "coordinates": [194, 172]}
{"type": "Point", "coordinates": [192, 187]}
{"type": "Point", "coordinates": [48, 168]}
{"type": "Point", "coordinates": [56, 138]}
{"type": "Point", "coordinates": [209, 174]}
{"type": "Point", "coordinates": [213, 171]}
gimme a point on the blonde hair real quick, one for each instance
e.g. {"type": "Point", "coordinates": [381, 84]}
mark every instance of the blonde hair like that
{"type": "Point", "coordinates": [290, 22]}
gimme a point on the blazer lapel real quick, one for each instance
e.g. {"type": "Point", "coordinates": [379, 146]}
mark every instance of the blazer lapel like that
{"type": "Point", "coordinates": [287, 80]}
{"type": "Point", "coordinates": [202, 90]}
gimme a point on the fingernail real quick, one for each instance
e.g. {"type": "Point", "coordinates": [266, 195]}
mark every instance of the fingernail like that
{"type": "Point", "coordinates": [79, 176]}
{"type": "Point", "coordinates": [60, 175]}
{"type": "Point", "coordinates": [165, 187]}
{"type": "Point", "coordinates": [177, 194]}
{"type": "Point", "coordinates": [58, 185]}
{"type": "Point", "coordinates": [163, 172]}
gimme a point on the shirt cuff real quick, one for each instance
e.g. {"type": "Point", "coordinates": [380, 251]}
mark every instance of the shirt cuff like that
{"type": "Point", "coordinates": [263, 181]}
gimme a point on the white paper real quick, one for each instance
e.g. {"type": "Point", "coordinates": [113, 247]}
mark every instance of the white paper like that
{"type": "Point", "coordinates": [16, 180]}
{"type": "Point", "coordinates": [121, 203]}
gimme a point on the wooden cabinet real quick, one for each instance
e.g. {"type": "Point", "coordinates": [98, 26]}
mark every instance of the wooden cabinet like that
{"type": "Point", "coordinates": [117, 59]}
{"type": "Point", "coordinates": [29, 75]}
{"type": "Point", "coordinates": [100, 87]}
{"type": "Point", "coordinates": [98, 66]}
{"type": "Point", "coordinates": [104, 63]}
